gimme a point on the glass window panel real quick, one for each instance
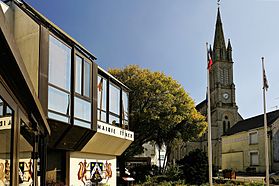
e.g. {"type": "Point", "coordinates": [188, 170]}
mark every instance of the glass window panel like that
{"type": "Point", "coordinates": [25, 149]}
{"type": "Point", "coordinates": [78, 74]}
{"type": "Point", "coordinates": [58, 117]}
{"type": "Point", "coordinates": [125, 105]}
{"type": "Point", "coordinates": [86, 79]}
{"type": "Point", "coordinates": [1, 107]}
{"type": "Point", "coordinates": [254, 158]}
{"type": "Point", "coordinates": [58, 101]}
{"type": "Point", "coordinates": [82, 109]}
{"type": "Point", "coordinates": [102, 93]}
{"type": "Point", "coordinates": [114, 99]}
{"type": "Point", "coordinates": [253, 138]}
{"type": "Point", "coordinates": [82, 123]}
{"type": "Point", "coordinates": [114, 120]}
{"type": "Point", "coordinates": [5, 147]}
{"type": "Point", "coordinates": [59, 63]}
{"type": "Point", "coordinates": [102, 116]}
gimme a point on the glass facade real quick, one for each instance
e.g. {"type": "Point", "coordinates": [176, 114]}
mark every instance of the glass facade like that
{"type": "Point", "coordinates": [59, 78]}
{"type": "Point", "coordinates": [125, 111]}
{"type": "Point", "coordinates": [102, 99]}
{"type": "Point", "coordinates": [112, 100]}
{"type": "Point", "coordinates": [26, 163]}
{"type": "Point", "coordinates": [6, 125]}
{"type": "Point", "coordinates": [114, 104]}
{"type": "Point", "coordinates": [82, 99]}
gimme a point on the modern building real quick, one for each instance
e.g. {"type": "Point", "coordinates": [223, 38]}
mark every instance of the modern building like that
{"type": "Point", "coordinates": [243, 146]}
{"type": "Point", "coordinates": [58, 109]}
{"type": "Point", "coordinates": [224, 111]}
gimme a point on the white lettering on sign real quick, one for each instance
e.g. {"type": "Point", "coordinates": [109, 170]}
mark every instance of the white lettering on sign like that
{"type": "Point", "coordinates": [114, 131]}
{"type": "Point", "coordinates": [5, 122]}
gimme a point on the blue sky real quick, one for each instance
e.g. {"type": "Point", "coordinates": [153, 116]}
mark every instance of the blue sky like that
{"type": "Point", "coordinates": [170, 36]}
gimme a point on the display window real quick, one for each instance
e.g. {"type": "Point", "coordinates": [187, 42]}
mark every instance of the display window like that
{"type": "Point", "coordinates": [6, 125]}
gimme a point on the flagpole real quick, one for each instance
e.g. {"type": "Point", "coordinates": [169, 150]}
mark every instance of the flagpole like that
{"type": "Point", "coordinates": [265, 86]}
{"type": "Point", "coordinates": [209, 124]}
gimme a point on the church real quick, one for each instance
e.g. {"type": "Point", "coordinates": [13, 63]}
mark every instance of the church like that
{"type": "Point", "coordinates": [224, 110]}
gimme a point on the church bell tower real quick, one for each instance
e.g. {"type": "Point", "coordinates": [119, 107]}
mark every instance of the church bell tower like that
{"type": "Point", "coordinates": [224, 112]}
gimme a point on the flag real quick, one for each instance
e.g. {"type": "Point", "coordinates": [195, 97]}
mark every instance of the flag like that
{"type": "Point", "coordinates": [209, 60]}
{"type": "Point", "coordinates": [100, 85]}
{"type": "Point", "coordinates": [265, 83]}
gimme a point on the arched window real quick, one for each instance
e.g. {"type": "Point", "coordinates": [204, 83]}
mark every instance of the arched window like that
{"type": "Point", "coordinates": [226, 124]}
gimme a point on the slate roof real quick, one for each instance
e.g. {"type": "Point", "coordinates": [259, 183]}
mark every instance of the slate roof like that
{"type": "Point", "coordinates": [252, 123]}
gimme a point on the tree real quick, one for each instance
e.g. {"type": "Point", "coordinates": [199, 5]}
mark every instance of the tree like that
{"type": "Point", "coordinates": [159, 109]}
{"type": "Point", "coordinates": [195, 167]}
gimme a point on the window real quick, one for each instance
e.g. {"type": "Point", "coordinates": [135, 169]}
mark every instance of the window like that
{"type": "Point", "coordinates": [82, 101]}
{"type": "Point", "coordinates": [125, 111]}
{"type": "Point", "coordinates": [59, 78]}
{"type": "Point", "coordinates": [82, 77]}
{"type": "Point", "coordinates": [253, 138]}
{"type": "Point", "coordinates": [226, 124]}
{"type": "Point", "coordinates": [6, 123]}
{"type": "Point", "coordinates": [254, 158]}
{"type": "Point", "coordinates": [59, 64]}
{"type": "Point", "coordinates": [114, 104]}
{"type": "Point", "coordinates": [25, 150]}
{"type": "Point", "coordinates": [82, 113]}
{"type": "Point", "coordinates": [102, 99]}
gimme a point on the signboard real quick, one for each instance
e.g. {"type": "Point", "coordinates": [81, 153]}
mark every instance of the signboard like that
{"type": "Point", "coordinates": [86, 171]}
{"type": "Point", "coordinates": [5, 122]}
{"type": "Point", "coordinates": [114, 131]}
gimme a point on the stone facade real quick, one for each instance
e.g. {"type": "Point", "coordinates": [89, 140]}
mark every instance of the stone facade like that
{"type": "Point", "coordinates": [224, 111]}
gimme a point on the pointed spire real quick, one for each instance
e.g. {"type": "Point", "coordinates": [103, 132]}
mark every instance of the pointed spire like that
{"type": "Point", "coordinates": [229, 48]}
{"type": "Point", "coordinates": [219, 47]}
{"type": "Point", "coordinates": [229, 51]}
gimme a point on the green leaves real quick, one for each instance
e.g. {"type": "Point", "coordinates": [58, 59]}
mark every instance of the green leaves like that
{"type": "Point", "coordinates": [160, 109]}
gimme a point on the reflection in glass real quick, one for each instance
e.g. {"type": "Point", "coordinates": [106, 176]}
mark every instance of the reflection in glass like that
{"type": "Point", "coordinates": [86, 79]}
{"type": "Point", "coordinates": [114, 99]}
{"type": "Point", "coordinates": [6, 124]}
{"type": "Point", "coordinates": [78, 74]}
{"type": "Point", "coordinates": [82, 109]}
{"type": "Point", "coordinates": [58, 101]}
{"type": "Point", "coordinates": [102, 98]}
{"type": "Point", "coordinates": [113, 120]}
{"type": "Point", "coordinates": [1, 107]}
{"type": "Point", "coordinates": [59, 63]}
{"type": "Point", "coordinates": [82, 123]}
{"type": "Point", "coordinates": [25, 150]}
{"type": "Point", "coordinates": [58, 117]}
{"type": "Point", "coordinates": [102, 116]}
{"type": "Point", "coordinates": [125, 105]}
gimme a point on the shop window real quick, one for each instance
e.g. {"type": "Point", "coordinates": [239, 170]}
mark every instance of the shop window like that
{"type": "Point", "coordinates": [254, 158]}
{"type": "Point", "coordinates": [6, 124]}
{"type": "Point", "coordinates": [59, 80]}
{"type": "Point", "coordinates": [125, 112]}
{"type": "Point", "coordinates": [253, 138]}
{"type": "Point", "coordinates": [102, 99]}
{"type": "Point", "coordinates": [114, 104]}
{"type": "Point", "coordinates": [26, 163]}
{"type": "Point", "coordinates": [82, 101]}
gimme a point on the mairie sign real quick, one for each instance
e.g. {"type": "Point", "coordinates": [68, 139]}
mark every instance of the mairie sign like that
{"type": "Point", "coordinates": [114, 131]}
{"type": "Point", "coordinates": [5, 122]}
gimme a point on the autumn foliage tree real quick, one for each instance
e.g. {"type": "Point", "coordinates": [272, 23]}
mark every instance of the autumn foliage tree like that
{"type": "Point", "coordinates": [159, 109]}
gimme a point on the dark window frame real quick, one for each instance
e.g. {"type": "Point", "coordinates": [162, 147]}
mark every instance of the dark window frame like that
{"type": "Point", "coordinates": [81, 95]}
{"type": "Point", "coordinates": [69, 92]}
{"type": "Point", "coordinates": [106, 106]}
